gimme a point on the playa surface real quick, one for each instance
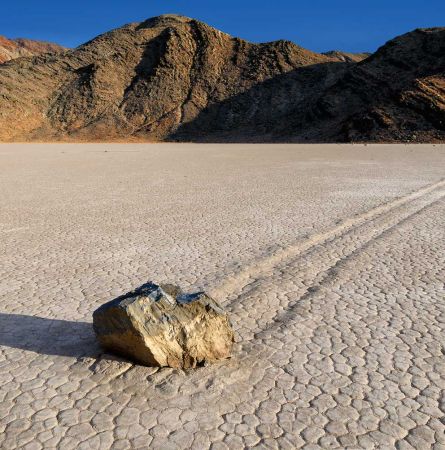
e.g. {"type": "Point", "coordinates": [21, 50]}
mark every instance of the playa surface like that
{"type": "Point", "coordinates": [330, 259]}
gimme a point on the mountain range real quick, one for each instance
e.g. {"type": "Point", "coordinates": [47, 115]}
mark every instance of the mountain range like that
{"type": "Point", "coordinates": [16, 48]}
{"type": "Point", "coordinates": [172, 78]}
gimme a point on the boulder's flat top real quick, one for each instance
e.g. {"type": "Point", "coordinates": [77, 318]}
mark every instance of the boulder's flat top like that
{"type": "Point", "coordinates": [329, 258]}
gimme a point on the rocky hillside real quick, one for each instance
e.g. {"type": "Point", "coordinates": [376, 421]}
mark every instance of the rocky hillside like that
{"type": "Point", "coordinates": [175, 78]}
{"type": "Point", "coordinates": [396, 94]}
{"type": "Point", "coordinates": [16, 48]}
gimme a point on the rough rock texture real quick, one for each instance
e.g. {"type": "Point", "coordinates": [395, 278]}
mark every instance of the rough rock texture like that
{"type": "Point", "coordinates": [145, 81]}
{"type": "Point", "coordinates": [16, 48]}
{"type": "Point", "coordinates": [162, 326]}
{"type": "Point", "coordinates": [396, 94]}
{"type": "Point", "coordinates": [175, 78]}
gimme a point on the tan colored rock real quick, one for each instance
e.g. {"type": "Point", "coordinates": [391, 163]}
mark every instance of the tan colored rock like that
{"type": "Point", "coordinates": [161, 326]}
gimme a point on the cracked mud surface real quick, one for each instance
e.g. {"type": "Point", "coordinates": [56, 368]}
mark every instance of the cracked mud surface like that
{"type": "Point", "coordinates": [331, 260]}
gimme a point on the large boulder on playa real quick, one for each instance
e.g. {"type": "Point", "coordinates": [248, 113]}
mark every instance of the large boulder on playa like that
{"type": "Point", "coordinates": [161, 326]}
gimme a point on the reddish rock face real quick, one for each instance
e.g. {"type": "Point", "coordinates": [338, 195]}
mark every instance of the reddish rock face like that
{"type": "Point", "coordinates": [16, 48]}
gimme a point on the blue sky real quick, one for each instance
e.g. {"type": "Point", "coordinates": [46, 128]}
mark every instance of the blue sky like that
{"type": "Point", "coordinates": [320, 25]}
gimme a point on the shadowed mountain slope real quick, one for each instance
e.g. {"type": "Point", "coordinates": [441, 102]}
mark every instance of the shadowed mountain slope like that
{"type": "Point", "coordinates": [398, 93]}
{"type": "Point", "coordinates": [175, 78]}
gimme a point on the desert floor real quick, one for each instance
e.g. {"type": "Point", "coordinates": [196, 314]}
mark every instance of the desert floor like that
{"type": "Point", "coordinates": [330, 259]}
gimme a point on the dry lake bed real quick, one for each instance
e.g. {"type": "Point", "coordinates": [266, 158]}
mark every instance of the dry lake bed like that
{"type": "Point", "coordinates": [329, 258]}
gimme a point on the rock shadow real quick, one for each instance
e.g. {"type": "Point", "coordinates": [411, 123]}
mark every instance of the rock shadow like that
{"type": "Point", "coordinates": [48, 336]}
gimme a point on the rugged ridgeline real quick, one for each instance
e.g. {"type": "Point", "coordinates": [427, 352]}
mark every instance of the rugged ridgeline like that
{"type": "Point", "coordinates": [347, 57]}
{"type": "Point", "coordinates": [174, 78]}
{"type": "Point", "coordinates": [16, 48]}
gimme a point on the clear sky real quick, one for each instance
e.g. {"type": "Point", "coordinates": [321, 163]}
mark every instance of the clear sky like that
{"type": "Point", "coordinates": [320, 25]}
